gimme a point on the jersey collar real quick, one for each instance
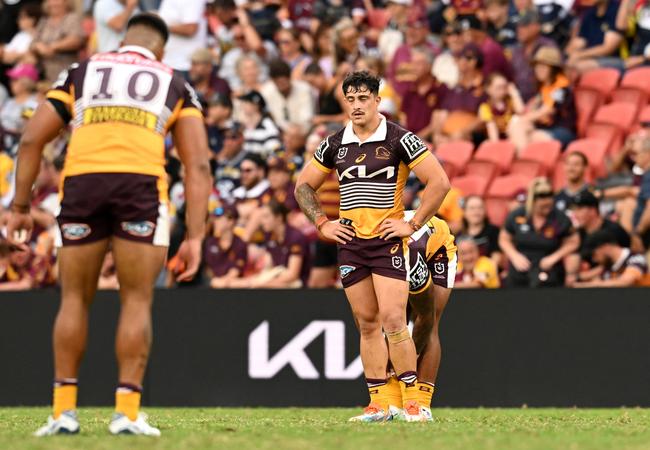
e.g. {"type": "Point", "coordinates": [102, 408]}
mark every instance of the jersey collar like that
{"type": "Point", "coordinates": [618, 264]}
{"type": "Point", "coordinates": [349, 137]}
{"type": "Point", "coordinates": [137, 49]}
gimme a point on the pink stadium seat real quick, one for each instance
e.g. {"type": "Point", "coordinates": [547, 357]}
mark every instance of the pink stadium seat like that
{"type": "Point", "coordinates": [595, 150]}
{"type": "Point", "coordinates": [607, 132]}
{"type": "Point", "coordinates": [497, 209]}
{"type": "Point", "coordinates": [631, 95]}
{"type": "Point", "coordinates": [528, 168]}
{"type": "Point", "coordinates": [546, 152]}
{"type": "Point", "coordinates": [507, 186]}
{"type": "Point", "coordinates": [502, 153]}
{"type": "Point", "coordinates": [644, 115]}
{"type": "Point", "coordinates": [604, 80]}
{"type": "Point", "coordinates": [449, 169]}
{"type": "Point", "coordinates": [471, 185]}
{"type": "Point", "coordinates": [456, 153]}
{"type": "Point", "coordinates": [485, 169]}
{"type": "Point", "coordinates": [621, 114]}
{"type": "Point", "coordinates": [587, 101]}
{"type": "Point", "coordinates": [638, 78]}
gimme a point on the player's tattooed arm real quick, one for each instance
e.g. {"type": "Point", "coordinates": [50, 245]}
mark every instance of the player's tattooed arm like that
{"type": "Point", "coordinates": [309, 203]}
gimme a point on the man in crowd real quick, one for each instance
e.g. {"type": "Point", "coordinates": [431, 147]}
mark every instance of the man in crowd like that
{"type": "Point", "coordinates": [203, 76]}
{"type": "Point", "coordinates": [217, 120]}
{"type": "Point", "coordinates": [111, 17]}
{"type": "Point", "coordinates": [228, 174]}
{"type": "Point", "coordinates": [494, 60]}
{"type": "Point", "coordinates": [501, 25]}
{"type": "Point", "coordinates": [188, 31]}
{"type": "Point", "coordinates": [475, 271]}
{"type": "Point", "coordinates": [576, 165]}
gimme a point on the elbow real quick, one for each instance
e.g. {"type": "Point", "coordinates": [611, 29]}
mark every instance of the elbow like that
{"type": "Point", "coordinates": [445, 184]}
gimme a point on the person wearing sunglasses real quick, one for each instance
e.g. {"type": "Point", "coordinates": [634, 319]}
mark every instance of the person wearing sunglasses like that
{"type": "Point", "coordinates": [536, 239]}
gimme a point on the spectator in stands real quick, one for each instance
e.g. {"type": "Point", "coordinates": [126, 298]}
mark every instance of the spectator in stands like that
{"type": "Point", "coordinates": [249, 75]}
{"type": "Point", "coordinates": [576, 165]}
{"type": "Point", "coordinates": [474, 270]}
{"type": "Point", "coordinates": [323, 51]}
{"type": "Point", "coordinates": [21, 105]}
{"type": "Point", "coordinates": [187, 31]}
{"type": "Point", "coordinates": [261, 134]}
{"type": "Point", "coordinates": [551, 114]}
{"type": "Point", "coordinates": [287, 262]}
{"type": "Point", "coordinates": [293, 146]}
{"type": "Point", "coordinates": [262, 16]}
{"type": "Point", "coordinates": [478, 228]}
{"type": "Point", "coordinates": [502, 104]}
{"type": "Point", "coordinates": [536, 239]}
{"type": "Point", "coordinates": [598, 41]}
{"type": "Point", "coordinates": [224, 253]}
{"type": "Point", "coordinates": [247, 42]}
{"type": "Point", "coordinates": [111, 17]}
{"type": "Point", "coordinates": [641, 220]}
{"type": "Point", "coordinates": [291, 52]}
{"type": "Point", "coordinates": [390, 99]}
{"type": "Point", "coordinates": [634, 16]}
{"type": "Point", "coordinates": [203, 76]}
{"type": "Point", "coordinates": [423, 95]}
{"type": "Point", "coordinates": [19, 45]}
{"type": "Point", "coordinates": [346, 45]}
{"type": "Point", "coordinates": [280, 175]}
{"type": "Point", "coordinates": [229, 159]}
{"type": "Point", "coordinates": [218, 115]}
{"type": "Point", "coordinates": [391, 34]}
{"type": "Point", "coordinates": [457, 113]}
{"type": "Point", "coordinates": [620, 267]}
{"type": "Point", "coordinates": [254, 190]}
{"type": "Point", "coordinates": [289, 101]}
{"type": "Point", "coordinates": [445, 66]}
{"type": "Point", "coordinates": [329, 109]}
{"type": "Point", "coordinates": [501, 25]}
{"type": "Point", "coordinates": [10, 278]}
{"type": "Point", "coordinates": [59, 37]}
{"type": "Point", "coordinates": [530, 40]}
{"type": "Point", "coordinates": [494, 60]}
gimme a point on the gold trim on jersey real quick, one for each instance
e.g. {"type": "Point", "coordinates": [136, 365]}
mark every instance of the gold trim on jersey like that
{"type": "Point", "coordinates": [319, 166]}
{"type": "Point", "coordinates": [61, 96]}
{"type": "Point", "coordinates": [419, 159]}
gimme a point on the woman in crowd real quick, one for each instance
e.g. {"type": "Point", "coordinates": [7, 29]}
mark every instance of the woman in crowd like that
{"type": "Point", "coordinates": [445, 66]}
{"type": "Point", "coordinates": [19, 45]}
{"type": "Point", "coordinates": [551, 114]}
{"type": "Point", "coordinates": [59, 37]}
{"type": "Point", "coordinates": [291, 52]}
{"type": "Point", "coordinates": [502, 104]}
{"type": "Point", "coordinates": [536, 239]}
{"type": "Point", "coordinates": [346, 45]}
{"type": "Point", "coordinates": [21, 105]}
{"type": "Point", "coordinates": [250, 75]}
{"type": "Point", "coordinates": [477, 227]}
{"type": "Point", "coordinates": [322, 50]}
{"type": "Point", "coordinates": [390, 100]}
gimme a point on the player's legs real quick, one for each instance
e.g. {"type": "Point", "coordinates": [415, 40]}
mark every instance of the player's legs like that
{"type": "Point", "coordinates": [426, 326]}
{"type": "Point", "coordinates": [138, 265]}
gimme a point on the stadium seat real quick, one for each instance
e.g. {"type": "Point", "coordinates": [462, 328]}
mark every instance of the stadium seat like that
{"type": "Point", "coordinates": [587, 101]}
{"type": "Point", "coordinates": [609, 133]}
{"type": "Point", "coordinates": [637, 78]}
{"type": "Point", "coordinates": [545, 152]}
{"type": "Point", "coordinates": [631, 95]}
{"type": "Point", "coordinates": [644, 115]}
{"type": "Point", "coordinates": [528, 168]}
{"type": "Point", "coordinates": [471, 185]}
{"type": "Point", "coordinates": [507, 186]}
{"type": "Point", "coordinates": [603, 80]}
{"type": "Point", "coordinates": [485, 169]}
{"type": "Point", "coordinates": [456, 153]}
{"type": "Point", "coordinates": [449, 169]}
{"type": "Point", "coordinates": [497, 209]}
{"type": "Point", "coordinates": [595, 150]}
{"type": "Point", "coordinates": [621, 114]}
{"type": "Point", "coordinates": [502, 153]}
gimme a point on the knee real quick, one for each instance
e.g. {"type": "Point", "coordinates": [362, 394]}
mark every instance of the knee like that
{"type": "Point", "coordinates": [368, 325]}
{"type": "Point", "coordinates": [393, 320]}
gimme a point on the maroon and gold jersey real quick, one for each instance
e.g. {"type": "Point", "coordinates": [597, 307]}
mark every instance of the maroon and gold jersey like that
{"type": "Point", "coordinates": [371, 174]}
{"type": "Point", "coordinates": [121, 105]}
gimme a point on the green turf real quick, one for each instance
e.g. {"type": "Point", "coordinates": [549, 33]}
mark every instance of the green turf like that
{"type": "Point", "coordinates": [305, 429]}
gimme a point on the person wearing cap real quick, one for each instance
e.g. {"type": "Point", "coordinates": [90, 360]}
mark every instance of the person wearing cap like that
{"type": "Point", "coordinates": [619, 266]}
{"type": "Point", "coordinates": [530, 39]}
{"type": "Point", "coordinates": [501, 26]}
{"type": "Point", "coordinates": [224, 253]}
{"type": "Point", "coordinates": [254, 190]}
{"type": "Point", "coordinates": [494, 60]}
{"type": "Point", "coordinates": [261, 134]}
{"type": "Point", "coordinates": [218, 118]}
{"type": "Point", "coordinates": [203, 76]}
{"type": "Point", "coordinates": [22, 82]}
{"type": "Point", "coordinates": [111, 17]}
{"type": "Point", "coordinates": [536, 239]}
{"type": "Point", "coordinates": [551, 115]}
{"type": "Point", "coordinates": [227, 173]}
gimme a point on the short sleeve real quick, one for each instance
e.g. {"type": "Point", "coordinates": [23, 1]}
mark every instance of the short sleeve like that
{"type": "Point", "coordinates": [412, 149]}
{"type": "Point", "coordinates": [61, 94]}
{"type": "Point", "coordinates": [511, 222]}
{"type": "Point", "coordinates": [323, 158]}
{"type": "Point", "coordinates": [485, 113]}
{"type": "Point", "coordinates": [191, 105]}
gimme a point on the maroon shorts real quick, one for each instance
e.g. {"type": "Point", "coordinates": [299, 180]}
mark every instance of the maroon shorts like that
{"type": "Point", "coordinates": [361, 257]}
{"type": "Point", "coordinates": [99, 205]}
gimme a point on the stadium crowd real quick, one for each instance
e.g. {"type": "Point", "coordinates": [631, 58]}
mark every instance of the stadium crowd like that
{"type": "Point", "coordinates": [539, 111]}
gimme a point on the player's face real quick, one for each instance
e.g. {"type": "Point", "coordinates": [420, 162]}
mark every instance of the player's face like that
{"type": "Point", "coordinates": [362, 105]}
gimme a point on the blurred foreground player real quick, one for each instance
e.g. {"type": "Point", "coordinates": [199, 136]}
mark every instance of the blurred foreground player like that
{"type": "Point", "coordinates": [372, 158]}
{"type": "Point", "coordinates": [121, 105]}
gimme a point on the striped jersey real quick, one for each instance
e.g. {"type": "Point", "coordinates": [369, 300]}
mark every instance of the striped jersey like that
{"type": "Point", "coordinates": [372, 174]}
{"type": "Point", "coordinates": [121, 105]}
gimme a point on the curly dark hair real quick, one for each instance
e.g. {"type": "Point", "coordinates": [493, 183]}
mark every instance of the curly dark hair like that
{"type": "Point", "coordinates": [356, 81]}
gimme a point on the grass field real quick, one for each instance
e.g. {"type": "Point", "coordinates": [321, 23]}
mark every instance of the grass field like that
{"type": "Point", "coordinates": [305, 429]}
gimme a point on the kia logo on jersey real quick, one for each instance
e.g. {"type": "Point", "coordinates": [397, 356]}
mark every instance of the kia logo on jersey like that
{"type": "Point", "coordinates": [361, 172]}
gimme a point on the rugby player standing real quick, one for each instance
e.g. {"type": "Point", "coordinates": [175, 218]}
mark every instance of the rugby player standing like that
{"type": "Point", "coordinates": [372, 158]}
{"type": "Point", "coordinates": [121, 105]}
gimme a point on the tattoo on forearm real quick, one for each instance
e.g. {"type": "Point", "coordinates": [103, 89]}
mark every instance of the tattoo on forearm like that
{"type": "Point", "coordinates": [308, 201]}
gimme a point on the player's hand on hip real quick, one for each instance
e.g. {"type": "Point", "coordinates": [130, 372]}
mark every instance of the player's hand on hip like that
{"type": "Point", "coordinates": [189, 256]}
{"type": "Point", "coordinates": [19, 229]}
{"type": "Point", "coordinates": [395, 228]}
{"type": "Point", "coordinates": [336, 231]}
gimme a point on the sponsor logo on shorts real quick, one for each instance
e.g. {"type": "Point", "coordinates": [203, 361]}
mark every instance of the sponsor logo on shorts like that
{"type": "Point", "coordinates": [75, 231]}
{"type": "Point", "coordinates": [382, 153]}
{"type": "Point", "coordinates": [394, 249]}
{"type": "Point", "coordinates": [419, 274]}
{"type": "Point", "coordinates": [139, 229]}
{"type": "Point", "coordinates": [397, 262]}
{"type": "Point", "coordinates": [342, 152]}
{"type": "Point", "coordinates": [360, 158]}
{"type": "Point", "coordinates": [346, 270]}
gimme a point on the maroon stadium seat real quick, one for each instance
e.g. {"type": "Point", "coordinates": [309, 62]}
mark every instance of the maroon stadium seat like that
{"type": "Point", "coordinates": [471, 185]}
{"type": "Point", "coordinates": [545, 152]}
{"type": "Point", "coordinates": [587, 101]}
{"type": "Point", "coordinates": [502, 153]}
{"type": "Point", "coordinates": [604, 80]}
{"type": "Point", "coordinates": [638, 78]}
{"type": "Point", "coordinates": [455, 153]}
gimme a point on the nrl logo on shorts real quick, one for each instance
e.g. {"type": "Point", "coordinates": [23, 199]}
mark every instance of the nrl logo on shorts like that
{"type": "Point", "coordinates": [342, 152]}
{"type": "Point", "coordinates": [346, 270]}
{"type": "Point", "coordinates": [139, 229]}
{"type": "Point", "coordinates": [75, 231]}
{"type": "Point", "coordinates": [397, 262]}
{"type": "Point", "coordinates": [439, 268]}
